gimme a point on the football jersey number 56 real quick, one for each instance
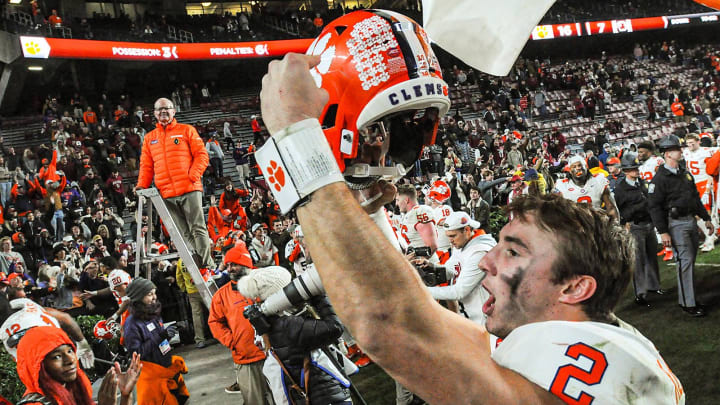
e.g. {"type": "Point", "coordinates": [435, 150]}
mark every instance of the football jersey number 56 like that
{"type": "Point", "coordinates": [588, 377]}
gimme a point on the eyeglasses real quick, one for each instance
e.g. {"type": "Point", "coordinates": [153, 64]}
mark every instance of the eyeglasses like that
{"type": "Point", "coordinates": [161, 109]}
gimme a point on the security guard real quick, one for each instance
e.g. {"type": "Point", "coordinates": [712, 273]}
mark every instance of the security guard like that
{"type": "Point", "coordinates": [631, 197]}
{"type": "Point", "coordinates": [674, 202]}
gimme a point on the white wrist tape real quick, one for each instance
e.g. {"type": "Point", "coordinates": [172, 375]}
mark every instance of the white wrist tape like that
{"type": "Point", "coordinates": [296, 162]}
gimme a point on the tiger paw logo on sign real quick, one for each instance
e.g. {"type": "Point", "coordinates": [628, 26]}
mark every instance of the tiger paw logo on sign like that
{"type": "Point", "coordinates": [35, 47]}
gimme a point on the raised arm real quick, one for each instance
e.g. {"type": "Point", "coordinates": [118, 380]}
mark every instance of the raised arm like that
{"type": "Point", "coordinates": [373, 287]}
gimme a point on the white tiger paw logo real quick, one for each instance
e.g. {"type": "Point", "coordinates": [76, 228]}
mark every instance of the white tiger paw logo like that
{"type": "Point", "coordinates": [319, 47]}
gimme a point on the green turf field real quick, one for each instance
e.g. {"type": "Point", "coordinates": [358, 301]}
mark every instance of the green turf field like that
{"type": "Point", "coordinates": [690, 346]}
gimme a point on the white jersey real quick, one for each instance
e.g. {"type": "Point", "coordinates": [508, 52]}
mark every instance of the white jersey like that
{"type": "Point", "coordinates": [695, 161]}
{"type": "Point", "coordinates": [648, 168]}
{"type": "Point", "coordinates": [591, 362]}
{"type": "Point", "coordinates": [419, 214]}
{"type": "Point", "coordinates": [29, 315]}
{"type": "Point", "coordinates": [591, 192]}
{"type": "Point", "coordinates": [440, 214]}
{"type": "Point", "coordinates": [468, 275]}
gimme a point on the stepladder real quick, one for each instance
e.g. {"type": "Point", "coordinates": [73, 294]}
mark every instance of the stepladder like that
{"type": "Point", "coordinates": [149, 199]}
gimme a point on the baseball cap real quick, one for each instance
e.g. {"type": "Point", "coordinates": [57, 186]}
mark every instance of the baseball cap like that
{"type": "Point", "coordinates": [459, 220]}
{"type": "Point", "coordinates": [515, 178]}
{"type": "Point", "coordinates": [96, 237]}
{"type": "Point", "coordinates": [68, 238]}
{"type": "Point", "coordinates": [256, 226]}
{"type": "Point", "coordinates": [613, 161]}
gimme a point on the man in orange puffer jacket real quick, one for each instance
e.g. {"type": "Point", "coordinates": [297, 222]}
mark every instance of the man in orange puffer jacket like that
{"type": "Point", "coordinates": [174, 156]}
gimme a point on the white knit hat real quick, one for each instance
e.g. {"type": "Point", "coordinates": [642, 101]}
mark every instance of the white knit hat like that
{"type": "Point", "coordinates": [263, 282]}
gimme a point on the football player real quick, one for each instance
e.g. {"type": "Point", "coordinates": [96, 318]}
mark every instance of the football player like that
{"type": "Point", "coordinates": [29, 314]}
{"type": "Point", "coordinates": [554, 277]}
{"type": "Point", "coordinates": [649, 163]}
{"type": "Point", "coordinates": [438, 194]}
{"type": "Point", "coordinates": [583, 187]}
{"type": "Point", "coordinates": [695, 157]}
{"type": "Point", "coordinates": [418, 223]}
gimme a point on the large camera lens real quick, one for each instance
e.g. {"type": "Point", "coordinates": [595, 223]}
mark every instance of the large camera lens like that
{"type": "Point", "coordinates": [301, 289]}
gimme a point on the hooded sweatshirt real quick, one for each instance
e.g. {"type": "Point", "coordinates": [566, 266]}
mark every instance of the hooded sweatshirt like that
{"type": "Point", "coordinates": [37, 343]}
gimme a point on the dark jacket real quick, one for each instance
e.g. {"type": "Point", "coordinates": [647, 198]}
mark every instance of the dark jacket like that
{"type": "Point", "coordinates": [293, 337]}
{"type": "Point", "coordinates": [632, 201]}
{"type": "Point", "coordinates": [144, 338]}
{"type": "Point", "coordinates": [678, 191]}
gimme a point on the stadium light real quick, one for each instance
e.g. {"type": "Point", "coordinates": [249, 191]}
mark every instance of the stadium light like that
{"type": "Point", "coordinates": [206, 4]}
{"type": "Point", "coordinates": [15, 1]}
{"type": "Point", "coordinates": [35, 68]}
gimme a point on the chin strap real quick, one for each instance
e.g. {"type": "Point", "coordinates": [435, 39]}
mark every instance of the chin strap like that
{"type": "Point", "coordinates": [357, 171]}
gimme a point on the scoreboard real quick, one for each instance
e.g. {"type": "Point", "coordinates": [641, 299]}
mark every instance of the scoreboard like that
{"type": "Point", "coordinates": [589, 28]}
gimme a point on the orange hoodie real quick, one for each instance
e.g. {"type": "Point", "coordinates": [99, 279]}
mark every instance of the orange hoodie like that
{"type": "Point", "coordinates": [37, 343]}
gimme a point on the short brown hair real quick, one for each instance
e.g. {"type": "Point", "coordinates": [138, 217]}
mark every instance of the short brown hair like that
{"type": "Point", "coordinates": [692, 136]}
{"type": "Point", "coordinates": [589, 244]}
{"type": "Point", "coordinates": [408, 190]}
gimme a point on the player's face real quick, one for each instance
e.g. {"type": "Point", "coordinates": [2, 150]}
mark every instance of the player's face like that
{"type": "Point", "coordinates": [643, 154]}
{"type": "Point", "coordinates": [402, 202]}
{"type": "Point", "coordinates": [61, 364]}
{"type": "Point", "coordinates": [474, 195]}
{"type": "Point", "coordinates": [120, 290]}
{"type": "Point", "coordinates": [692, 144]}
{"type": "Point", "coordinates": [519, 273]}
{"type": "Point", "coordinates": [577, 170]}
{"type": "Point", "coordinates": [459, 237]}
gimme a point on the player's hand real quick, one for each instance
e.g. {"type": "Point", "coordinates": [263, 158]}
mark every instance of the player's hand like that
{"type": "Point", "coordinates": [379, 194]}
{"type": "Point", "coordinates": [85, 354]}
{"type": "Point", "coordinates": [710, 227]}
{"type": "Point", "coordinates": [666, 239]}
{"type": "Point", "coordinates": [289, 93]}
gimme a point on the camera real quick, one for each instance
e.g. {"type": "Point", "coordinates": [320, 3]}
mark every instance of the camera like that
{"type": "Point", "coordinates": [254, 314]}
{"type": "Point", "coordinates": [300, 289]}
{"type": "Point", "coordinates": [433, 276]}
{"type": "Point", "coordinates": [420, 252]}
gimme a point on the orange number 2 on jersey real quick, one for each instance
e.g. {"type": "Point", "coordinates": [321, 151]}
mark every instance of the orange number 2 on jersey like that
{"type": "Point", "coordinates": [589, 377]}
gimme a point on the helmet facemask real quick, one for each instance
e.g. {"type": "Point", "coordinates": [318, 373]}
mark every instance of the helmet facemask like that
{"type": "Point", "coordinates": [390, 147]}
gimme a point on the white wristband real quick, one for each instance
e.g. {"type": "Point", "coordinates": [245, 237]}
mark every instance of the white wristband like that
{"type": "Point", "coordinates": [296, 162]}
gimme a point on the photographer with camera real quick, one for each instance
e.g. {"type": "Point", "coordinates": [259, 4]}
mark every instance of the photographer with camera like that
{"type": "Point", "coordinates": [229, 326]}
{"type": "Point", "coordinates": [470, 245]}
{"type": "Point", "coordinates": [296, 368]}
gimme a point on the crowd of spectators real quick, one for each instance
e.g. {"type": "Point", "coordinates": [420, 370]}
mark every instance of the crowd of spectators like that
{"type": "Point", "coordinates": [268, 23]}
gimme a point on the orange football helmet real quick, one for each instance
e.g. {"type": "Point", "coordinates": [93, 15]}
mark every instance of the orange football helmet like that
{"type": "Point", "coordinates": [386, 93]}
{"type": "Point", "coordinates": [439, 191]}
{"type": "Point", "coordinates": [106, 329]}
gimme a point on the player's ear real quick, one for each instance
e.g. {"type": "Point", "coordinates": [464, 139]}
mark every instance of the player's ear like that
{"type": "Point", "coordinates": [578, 289]}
